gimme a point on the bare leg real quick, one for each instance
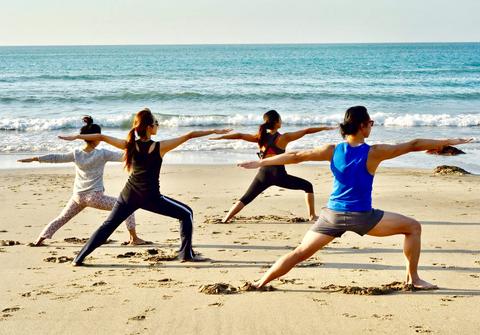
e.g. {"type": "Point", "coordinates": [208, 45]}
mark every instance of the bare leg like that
{"type": "Point", "coordinates": [310, 200]}
{"type": "Point", "coordinates": [134, 239]}
{"type": "Point", "coordinates": [233, 211]}
{"type": "Point", "coordinates": [393, 224]}
{"type": "Point", "coordinates": [311, 243]}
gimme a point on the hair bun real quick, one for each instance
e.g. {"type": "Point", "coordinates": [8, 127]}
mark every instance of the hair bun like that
{"type": "Point", "coordinates": [87, 119]}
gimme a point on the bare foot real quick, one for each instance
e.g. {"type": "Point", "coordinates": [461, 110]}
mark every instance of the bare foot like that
{"type": "Point", "coordinates": [420, 284]}
{"type": "Point", "coordinates": [74, 263]}
{"type": "Point", "coordinates": [256, 284]}
{"type": "Point", "coordinates": [138, 241]}
{"type": "Point", "coordinates": [313, 217]}
{"type": "Point", "coordinates": [38, 242]}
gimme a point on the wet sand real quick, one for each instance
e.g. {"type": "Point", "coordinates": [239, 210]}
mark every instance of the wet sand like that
{"type": "Point", "coordinates": [143, 290]}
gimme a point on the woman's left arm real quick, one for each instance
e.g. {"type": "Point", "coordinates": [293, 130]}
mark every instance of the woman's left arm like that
{"type": "Point", "coordinates": [295, 135]}
{"type": "Point", "coordinates": [170, 144]}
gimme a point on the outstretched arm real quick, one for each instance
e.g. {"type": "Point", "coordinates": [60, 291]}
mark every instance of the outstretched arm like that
{"type": "Point", "coordinates": [50, 158]}
{"type": "Point", "coordinates": [167, 145]}
{"type": "Point", "coordinates": [237, 136]}
{"type": "Point", "coordinates": [381, 152]}
{"type": "Point", "coordinates": [323, 153]}
{"type": "Point", "coordinates": [295, 135]}
{"type": "Point", "coordinates": [116, 142]}
{"type": "Point", "coordinates": [386, 151]}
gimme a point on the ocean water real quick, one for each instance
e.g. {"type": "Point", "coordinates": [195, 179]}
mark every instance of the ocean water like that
{"type": "Point", "coordinates": [411, 90]}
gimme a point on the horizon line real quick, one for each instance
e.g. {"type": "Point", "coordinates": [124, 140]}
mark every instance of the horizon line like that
{"type": "Point", "coordinates": [234, 44]}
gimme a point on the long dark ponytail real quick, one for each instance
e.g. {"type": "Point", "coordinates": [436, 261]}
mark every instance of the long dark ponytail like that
{"type": "Point", "coordinates": [354, 117]}
{"type": "Point", "coordinates": [270, 118]}
{"type": "Point", "coordinates": [141, 121]}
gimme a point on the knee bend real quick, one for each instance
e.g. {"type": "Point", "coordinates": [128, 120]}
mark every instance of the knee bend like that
{"type": "Point", "coordinates": [308, 188]}
{"type": "Point", "coordinates": [245, 200]}
{"type": "Point", "coordinates": [415, 227]}
{"type": "Point", "coordinates": [187, 217]}
{"type": "Point", "coordinates": [299, 255]}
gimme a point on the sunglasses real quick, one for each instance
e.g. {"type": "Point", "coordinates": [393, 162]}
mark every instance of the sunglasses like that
{"type": "Point", "coordinates": [155, 123]}
{"type": "Point", "coordinates": [371, 122]}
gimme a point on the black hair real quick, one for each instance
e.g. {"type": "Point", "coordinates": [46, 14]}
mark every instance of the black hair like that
{"type": "Point", "coordinates": [90, 127]}
{"type": "Point", "coordinates": [270, 118]}
{"type": "Point", "coordinates": [354, 117]}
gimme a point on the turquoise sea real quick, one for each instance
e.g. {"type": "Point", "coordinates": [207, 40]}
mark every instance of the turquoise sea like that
{"type": "Point", "coordinates": [410, 90]}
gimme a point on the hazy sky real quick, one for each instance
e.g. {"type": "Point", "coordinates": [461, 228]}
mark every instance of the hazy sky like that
{"type": "Point", "coordinates": [58, 22]}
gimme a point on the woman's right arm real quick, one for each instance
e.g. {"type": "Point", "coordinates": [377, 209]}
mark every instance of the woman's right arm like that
{"type": "Point", "coordinates": [50, 158]}
{"type": "Point", "coordinates": [116, 142]}
{"type": "Point", "coordinates": [323, 153]}
{"type": "Point", "coordinates": [237, 136]}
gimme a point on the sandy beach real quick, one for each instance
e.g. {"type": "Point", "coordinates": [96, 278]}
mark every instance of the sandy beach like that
{"type": "Point", "coordinates": [137, 293]}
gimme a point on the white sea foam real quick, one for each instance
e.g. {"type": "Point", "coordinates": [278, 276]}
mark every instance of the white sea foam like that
{"type": "Point", "coordinates": [123, 121]}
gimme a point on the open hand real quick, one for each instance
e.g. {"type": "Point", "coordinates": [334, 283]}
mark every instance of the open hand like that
{"type": "Point", "coordinates": [27, 160]}
{"type": "Point", "coordinates": [250, 165]}
{"type": "Point", "coordinates": [456, 141]}
{"type": "Point", "coordinates": [68, 137]}
{"type": "Point", "coordinates": [222, 131]}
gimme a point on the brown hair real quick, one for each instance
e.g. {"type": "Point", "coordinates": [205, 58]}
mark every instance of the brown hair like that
{"type": "Point", "coordinates": [141, 121]}
{"type": "Point", "coordinates": [90, 127]}
{"type": "Point", "coordinates": [270, 118]}
{"type": "Point", "coordinates": [354, 117]}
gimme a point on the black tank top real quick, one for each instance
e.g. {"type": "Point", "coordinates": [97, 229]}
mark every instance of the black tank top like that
{"type": "Point", "coordinates": [270, 146]}
{"type": "Point", "coordinates": [145, 168]}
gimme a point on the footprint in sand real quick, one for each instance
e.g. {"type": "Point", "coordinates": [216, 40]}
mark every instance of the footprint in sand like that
{"type": "Point", "coordinates": [61, 259]}
{"type": "Point", "coordinates": [322, 302]}
{"type": "Point", "coordinates": [383, 317]}
{"type": "Point", "coordinates": [10, 309]}
{"type": "Point", "coordinates": [152, 283]}
{"type": "Point", "coordinates": [8, 243]}
{"type": "Point", "coordinates": [222, 288]}
{"type": "Point", "coordinates": [375, 259]}
{"type": "Point", "coordinates": [100, 283]}
{"type": "Point", "coordinates": [420, 329]}
{"type": "Point", "coordinates": [6, 312]}
{"type": "Point", "coordinates": [143, 316]}
{"type": "Point", "coordinates": [382, 290]}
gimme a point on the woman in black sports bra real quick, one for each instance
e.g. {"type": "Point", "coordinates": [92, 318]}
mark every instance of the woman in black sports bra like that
{"type": "Point", "coordinates": [143, 159]}
{"type": "Point", "coordinates": [273, 143]}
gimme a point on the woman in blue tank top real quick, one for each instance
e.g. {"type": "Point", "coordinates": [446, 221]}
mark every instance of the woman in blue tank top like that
{"type": "Point", "coordinates": [353, 164]}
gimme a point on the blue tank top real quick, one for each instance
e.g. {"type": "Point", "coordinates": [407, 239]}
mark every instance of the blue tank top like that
{"type": "Point", "coordinates": [352, 185]}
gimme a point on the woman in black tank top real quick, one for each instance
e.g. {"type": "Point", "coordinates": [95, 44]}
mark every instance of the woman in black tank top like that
{"type": "Point", "coordinates": [143, 159]}
{"type": "Point", "coordinates": [273, 143]}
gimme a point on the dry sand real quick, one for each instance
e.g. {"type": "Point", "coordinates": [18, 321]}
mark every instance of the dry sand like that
{"type": "Point", "coordinates": [136, 294]}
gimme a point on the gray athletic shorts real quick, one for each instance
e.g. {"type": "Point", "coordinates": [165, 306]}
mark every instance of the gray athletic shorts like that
{"type": "Point", "coordinates": [335, 223]}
